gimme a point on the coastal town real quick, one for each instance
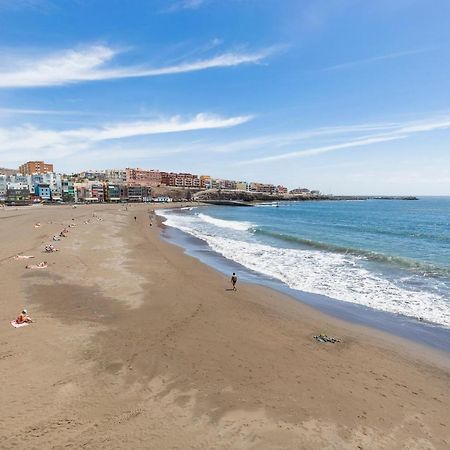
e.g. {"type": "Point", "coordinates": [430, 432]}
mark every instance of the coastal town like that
{"type": "Point", "coordinates": [37, 181]}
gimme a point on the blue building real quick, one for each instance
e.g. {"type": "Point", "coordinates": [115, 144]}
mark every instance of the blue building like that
{"type": "Point", "coordinates": [43, 191]}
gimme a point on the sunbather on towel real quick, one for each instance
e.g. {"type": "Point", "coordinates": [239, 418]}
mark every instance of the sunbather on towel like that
{"type": "Point", "coordinates": [23, 256]}
{"type": "Point", "coordinates": [41, 265]}
{"type": "Point", "coordinates": [24, 317]}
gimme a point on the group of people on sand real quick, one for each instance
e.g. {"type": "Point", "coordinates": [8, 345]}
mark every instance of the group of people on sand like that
{"type": "Point", "coordinates": [23, 317]}
{"type": "Point", "coordinates": [49, 248]}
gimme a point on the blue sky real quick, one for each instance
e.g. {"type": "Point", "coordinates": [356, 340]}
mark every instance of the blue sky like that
{"type": "Point", "coordinates": [344, 96]}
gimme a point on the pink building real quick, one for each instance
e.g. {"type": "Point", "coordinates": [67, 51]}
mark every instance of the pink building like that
{"type": "Point", "coordinates": [143, 177]}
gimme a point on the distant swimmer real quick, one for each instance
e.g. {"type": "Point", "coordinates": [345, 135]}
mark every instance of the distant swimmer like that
{"type": "Point", "coordinates": [234, 281]}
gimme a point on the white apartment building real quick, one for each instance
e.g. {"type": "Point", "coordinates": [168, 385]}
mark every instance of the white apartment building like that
{"type": "Point", "coordinates": [3, 187]}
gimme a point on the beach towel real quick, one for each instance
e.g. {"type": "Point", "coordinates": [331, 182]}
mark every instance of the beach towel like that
{"type": "Point", "coordinates": [23, 257]}
{"type": "Point", "coordinates": [18, 325]}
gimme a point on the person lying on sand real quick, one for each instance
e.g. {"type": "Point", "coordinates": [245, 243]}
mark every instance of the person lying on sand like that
{"type": "Point", "coordinates": [23, 257]}
{"type": "Point", "coordinates": [41, 265]}
{"type": "Point", "coordinates": [24, 317]}
{"type": "Point", "coordinates": [37, 225]}
{"type": "Point", "coordinates": [50, 248]}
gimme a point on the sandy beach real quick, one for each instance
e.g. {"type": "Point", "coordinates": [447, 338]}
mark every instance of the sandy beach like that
{"type": "Point", "coordinates": [136, 345]}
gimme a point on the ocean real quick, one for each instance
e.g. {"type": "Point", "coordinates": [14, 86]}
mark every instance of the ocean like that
{"type": "Point", "coordinates": [385, 255]}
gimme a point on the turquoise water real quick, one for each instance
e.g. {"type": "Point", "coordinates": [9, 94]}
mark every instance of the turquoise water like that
{"type": "Point", "coordinates": [389, 255]}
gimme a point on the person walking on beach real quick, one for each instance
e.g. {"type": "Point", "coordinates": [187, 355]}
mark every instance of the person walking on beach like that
{"type": "Point", "coordinates": [135, 218]}
{"type": "Point", "coordinates": [234, 281]}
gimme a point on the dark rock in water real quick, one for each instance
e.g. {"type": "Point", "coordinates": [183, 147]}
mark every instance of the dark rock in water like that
{"type": "Point", "coordinates": [227, 203]}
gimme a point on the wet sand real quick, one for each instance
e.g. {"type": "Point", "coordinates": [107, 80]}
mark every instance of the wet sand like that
{"type": "Point", "coordinates": [137, 345]}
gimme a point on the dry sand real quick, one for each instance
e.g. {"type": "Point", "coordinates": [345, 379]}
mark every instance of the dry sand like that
{"type": "Point", "coordinates": [137, 345]}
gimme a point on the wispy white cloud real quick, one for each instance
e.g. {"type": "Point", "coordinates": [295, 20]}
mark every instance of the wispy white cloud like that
{"type": "Point", "coordinates": [25, 111]}
{"type": "Point", "coordinates": [323, 149]}
{"type": "Point", "coordinates": [279, 140]}
{"type": "Point", "coordinates": [32, 138]}
{"type": "Point", "coordinates": [185, 4]}
{"type": "Point", "coordinates": [364, 61]}
{"type": "Point", "coordinates": [389, 133]}
{"type": "Point", "coordinates": [91, 64]}
{"type": "Point", "coordinates": [142, 128]}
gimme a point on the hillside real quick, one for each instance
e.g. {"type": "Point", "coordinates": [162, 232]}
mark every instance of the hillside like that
{"type": "Point", "coordinates": [5, 171]}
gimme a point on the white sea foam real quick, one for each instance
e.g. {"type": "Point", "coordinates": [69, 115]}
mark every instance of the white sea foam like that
{"type": "Point", "coordinates": [335, 275]}
{"type": "Point", "coordinates": [234, 225]}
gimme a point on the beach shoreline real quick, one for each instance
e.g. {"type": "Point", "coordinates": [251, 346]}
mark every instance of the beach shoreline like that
{"type": "Point", "coordinates": [433, 336]}
{"type": "Point", "coordinates": [137, 345]}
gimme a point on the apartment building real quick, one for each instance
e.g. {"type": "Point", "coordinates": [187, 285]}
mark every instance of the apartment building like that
{"type": "Point", "coordinates": [223, 184]}
{"type": "Point", "coordinates": [181, 180]}
{"type": "Point", "coordinates": [54, 180]}
{"type": "Point", "coordinates": [138, 193]}
{"type": "Point", "coordinates": [205, 182]}
{"type": "Point", "coordinates": [92, 175]}
{"type": "Point", "coordinates": [241, 185]}
{"type": "Point", "coordinates": [43, 191]}
{"type": "Point", "coordinates": [3, 187]}
{"type": "Point", "coordinates": [17, 194]}
{"type": "Point", "coordinates": [67, 190]}
{"type": "Point", "coordinates": [168, 178]}
{"type": "Point", "coordinates": [98, 192]}
{"type": "Point", "coordinates": [143, 177]}
{"type": "Point", "coordinates": [89, 191]}
{"type": "Point", "coordinates": [262, 187]}
{"type": "Point", "coordinates": [116, 175]}
{"type": "Point", "coordinates": [31, 167]}
{"type": "Point", "coordinates": [112, 192]}
{"type": "Point", "coordinates": [187, 180]}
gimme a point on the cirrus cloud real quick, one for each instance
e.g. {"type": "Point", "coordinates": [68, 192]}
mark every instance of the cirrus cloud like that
{"type": "Point", "coordinates": [93, 64]}
{"type": "Point", "coordinates": [28, 138]}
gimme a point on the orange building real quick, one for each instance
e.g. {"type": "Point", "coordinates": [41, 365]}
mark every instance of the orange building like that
{"type": "Point", "coordinates": [31, 167]}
